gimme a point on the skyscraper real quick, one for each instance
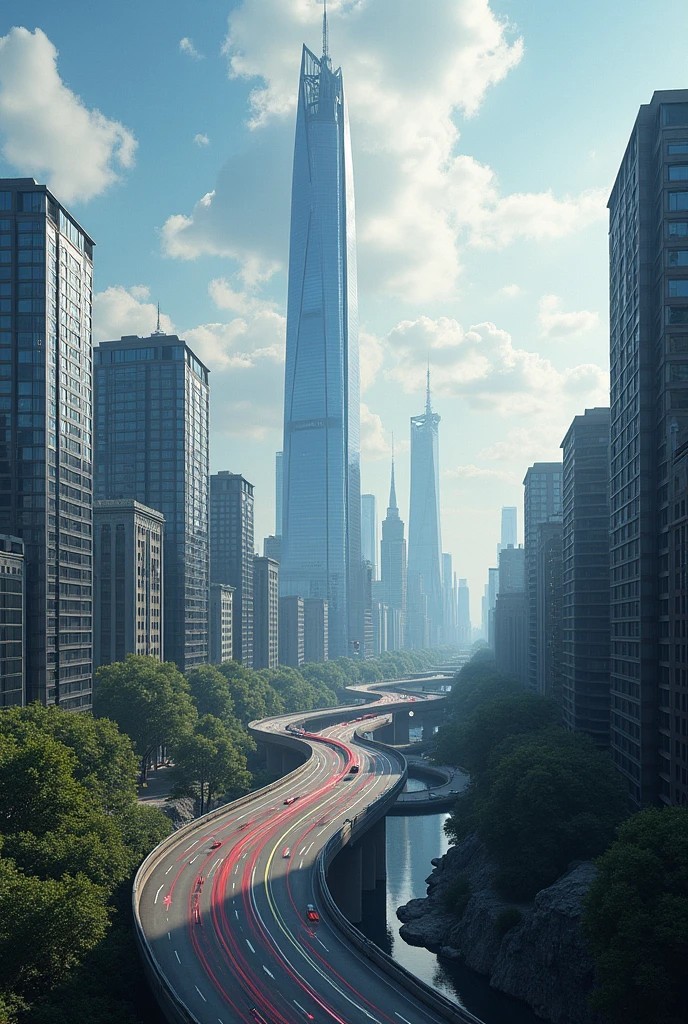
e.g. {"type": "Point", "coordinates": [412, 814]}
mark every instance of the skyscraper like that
{"type": "Point", "coordinates": [449, 598]}
{"type": "Point", "coordinates": [232, 553]}
{"type": "Point", "coordinates": [221, 623]}
{"type": "Point", "coordinates": [464, 612]}
{"type": "Point", "coordinates": [393, 571]}
{"type": "Point", "coordinates": [265, 613]}
{"type": "Point", "coordinates": [648, 276]}
{"type": "Point", "coordinates": [585, 587]}
{"type": "Point", "coordinates": [46, 469]}
{"type": "Point", "coordinates": [509, 531]}
{"type": "Point", "coordinates": [369, 531]}
{"type": "Point", "coordinates": [425, 536]}
{"type": "Point", "coordinates": [542, 499]}
{"type": "Point", "coordinates": [151, 444]}
{"type": "Point", "coordinates": [12, 622]}
{"type": "Point", "coordinates": [279, 491]}
{"type": "Point", "coordinates": [548, 605]}
{"type": "Point", "coordinates": [321, 511]}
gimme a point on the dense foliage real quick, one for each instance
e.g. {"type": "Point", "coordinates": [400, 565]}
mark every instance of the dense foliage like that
{"type": "Point", "coordinates": [540, 797]}
{"type": "Point", "coordinates": [71, 835]}
{"type": "Point", "coordinates": [636, 920]}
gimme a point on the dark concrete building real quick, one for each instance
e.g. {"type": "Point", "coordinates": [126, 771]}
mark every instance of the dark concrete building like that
{"type": "Point", "coordinates": [12, 622]}
{"type": "Point", "coordinates": [585, 583]}
{"type": "Point", "coordinates": [549, 608]}
{"type": "Point", "coordinates": [151, 444]}
{"type": "Point", "coordinates": [128, 569]}
{"type": "Point", "coordinates": [648, 268]}
{"type": "Point", "coordinates": [393, 571]}
{"type": "Point", "coordinates": [46, 442]}
{"type": "Point", "coordinates": [511, 634]}
{"type": "Point", "coordinates": [675, 723]}
{"type": "Point", "coordinates": [232, 552]}
{"type": "Point", "coordinates": [512, 571]}
{"type": "Point", "coordinates": [541, 500]}
{"type": "Point", "coordinates": [221, 623]}
{"type": "Point", "coordinates": [315, 629]}
{"type": "Point", "coordinates": [265, 613]}
{"type": "Point", "coordinates": [291, 631]}
{"type": "Point", "coordinates": [272, 548]}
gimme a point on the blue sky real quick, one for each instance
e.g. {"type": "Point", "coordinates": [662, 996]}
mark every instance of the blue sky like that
{"type": "Point", "coordinates": [486, 137]}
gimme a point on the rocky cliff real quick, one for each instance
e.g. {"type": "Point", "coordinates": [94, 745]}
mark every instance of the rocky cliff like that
{"type": "Point", "coordinates": [542, 959]}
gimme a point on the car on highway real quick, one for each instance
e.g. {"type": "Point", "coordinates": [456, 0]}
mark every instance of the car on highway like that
{"type": "Point", "coordinates": [454, 792]}
{"type": "Point", "coordinates": [216, 845]}
{"type": "Point", "coordinates": [290, 800]}
{"type": "Point", "coordinates": [433, 796]}
{"type": "Point", "coordinates": [286, 852]}
{"type": "Point", "coordinates": [311, 913]}
{"type": "Point", "coordinates": [354, 769]}
{"type": "Point", "coordinates": [258, 1016]}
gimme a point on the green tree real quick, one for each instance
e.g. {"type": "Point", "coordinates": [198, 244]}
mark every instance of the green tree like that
{"type": "Point", "coordinates": [473, 742]}
{"type": "Point", "coordinates": [636, 920]}
{"type": "Point", "coordinates": [251, 693]}
{"type": "Point", "coordinates": [150, 701]}
{"type": "Point", "coordinates": [208, 763]}
{"type": "Point", "coordinates": [551, 799]}
{"type": "Point", "coordinates": [210, 692]}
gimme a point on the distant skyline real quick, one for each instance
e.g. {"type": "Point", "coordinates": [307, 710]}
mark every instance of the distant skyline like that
{"type": "Point", "coordinates": [485, 152]}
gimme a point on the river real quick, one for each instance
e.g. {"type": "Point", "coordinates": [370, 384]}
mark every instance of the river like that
{"type": "Point", "coordinates": [412, 842]}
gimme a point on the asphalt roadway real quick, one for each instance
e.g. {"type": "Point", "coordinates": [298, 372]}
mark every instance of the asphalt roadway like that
{"type": "Point", "coordinates": [228, 926]}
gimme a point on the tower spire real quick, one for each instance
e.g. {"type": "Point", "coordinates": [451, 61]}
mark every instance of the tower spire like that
{"type": "Point", "coordinates": [392, 486]}
{"type": "Point", "coordinates": [157, 329]}
{"type": "Point", "coordinates": [428, 407]}
{"type": "Point", "coordinates": [326, 41]}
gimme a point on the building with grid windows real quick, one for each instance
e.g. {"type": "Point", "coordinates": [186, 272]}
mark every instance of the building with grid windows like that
{"type": "Point", "coordinates": [541, 500]}
{"type": "Point", "coordinates": [128, 575]}
{"type": "Point", "coordinates": [46, 482]}
{"type": "Point", "coordinates": [221, 623]}
{"type": "Point", "coordinates": [393, 571]}
{"type": "Point", "coordinates": [151, 414]}
{"type": "Point", "coordinates": [292, 648]}
{"type": "Point", "coordinates": [265, 613]}
{"type": "Point", "coordinates": [425, 617]}
{"type": "Point", "coordinates": [12, 607]}
{"type": "Point", "coordinates": [548, 600]}
{"type": "Point", "coordinates": [232, 552]}
{"type": "Point", "coordinates": [648, 275]}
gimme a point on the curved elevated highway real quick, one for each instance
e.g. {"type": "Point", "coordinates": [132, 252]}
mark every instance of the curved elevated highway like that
{"type": "Point", "coordinates": [221, 906]}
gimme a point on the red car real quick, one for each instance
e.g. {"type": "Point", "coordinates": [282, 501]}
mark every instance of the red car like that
{"type": "Point", "coordinates": [311, 913]}
{"type": "Point", "coordinates": [216, 845]}
{"type": "Point", "coordinates": [257, 1016]}
{"type": "Point", "coordinates": [290, 800]}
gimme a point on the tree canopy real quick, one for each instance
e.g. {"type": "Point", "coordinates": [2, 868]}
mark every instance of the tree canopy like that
{"type": "Point", "coordinates": [208, 762]}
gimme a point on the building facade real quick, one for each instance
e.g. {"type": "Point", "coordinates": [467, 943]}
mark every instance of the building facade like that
{"type": "Point", "coordinates": [425, 535]}
{"type": "Point", "coordinates": [12, 622]}
{"type": "Point", "coordinates": [321, 509]}
{"type": "Point", "coordinates": [232, 552]}
{"type": "Point", "coordinates": [542, 499]}
{"type": "Point", "coordinates": [315, 630]}
{"type": "Point", "coordinates": [511, 634]}
{"type": "Point", "coordinates": [128, 575]}
{"type": "Point", "coordinates": [265, 613]}
{"type": "Point", "coordinates": [291, 631]}
{"type": "Point", "coordinates": [393, 571]}
{"type": "Point", "coordinates": [279, 492]}
{"type": "Point", "coordinates": [512, 571]}
{"type": "Point", "coordinates": [46, 442]}
{"type": "Point", "coordinates": [463, 600]}
{"type": "Point", "coordinates": [151, 411]}
{"type": "Point", "coordinates": [549, 609]}
{"type": "Point", "coordinates": [369, 551]}
{"type": "Point", "coordinates": [509, 530]}
{"type": "Point", "coordinates": [221, 623]}
{"type": "Point", "coordinates": [585, 577]}
{"type": "Point", "coordinates": [648, 257]}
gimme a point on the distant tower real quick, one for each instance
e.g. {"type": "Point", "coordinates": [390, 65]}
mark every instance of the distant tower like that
{"type": "Point", "coordinates": [393, 571]}
{"type": "Point", "coordinates": [509, 534]}
{"type": "Point", "coordinates": [369, 531]}
{"type": "Point", "coordinates": [425, 539]}
{"type": "Point", "coordinates": [279, 487]}
{"type": "Point", "coordinates": [321, 512]}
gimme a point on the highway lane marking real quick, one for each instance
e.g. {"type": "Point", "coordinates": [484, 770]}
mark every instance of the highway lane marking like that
{"type": "Point", "coordinates": [158, 892]}
{"type": "Point", "coordinates": [169, 937]}
{"type": "Point", "coordinates": [300, 1007]}
{"type": "Point", "coordinates": [268, 972]}
{"type": "Point", "coordinates": [200, 994]}
{"type": "Point", "coordinates": [194, 858]}
{"type": "Point", "coordinates": [193, 844]}
{"type": "Point", "coordinates": [301, 863]}
{"type": "Point", "coordinates": [177, 956]}
{"type": "Point", "coordinates": [169, 869]}
{"type": "Point", "coordinates": [236, 914]}
{"type": "Point", "coordinates": [405, 1019]}
{"type": "Point", "coordinates": [250, 946]}
{"type": "Point", "coordinates": [216, 864]}
{"type": "Point", "coordinates": [302, 850]}
{"type": "Point", "coordinates": [321, 943]}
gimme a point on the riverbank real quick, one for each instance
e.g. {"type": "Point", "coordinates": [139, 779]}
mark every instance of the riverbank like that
{"type": "Point", "coordinates": [533, 951]}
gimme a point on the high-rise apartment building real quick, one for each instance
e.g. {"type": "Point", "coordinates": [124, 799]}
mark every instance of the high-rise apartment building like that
{"type": "Point", "coordinates": [232, 552]}
{"type": "Point", "coordinates": [321, 511]}
{"type": "Point", "coordinates": [675, 753]}
{"type": "Point", "coordinates": [151, 444]}
{"type": "Point", "coordinates": [369, 531]}
{"type": "Point", "coordinates": [272, 548]}
{"type": "Point", "coordinates": [585, 576]}
{"type": "Point", "coordinates": [648, 272]}
{"type": "Point", "coordinates": [450, 628]}
{"type": "Point", "coordinates": [511, 634]}
{"type": "Point", "coordinates": [512, 571]}
{"type": "Point", "coordinates": [549, 608]}
{"type": "Point", "coordinates": [509, 532]}
{"type": "Point", "coordinates": [542, 499]}
{"type": "Point", "coordinates": [463, 601]}
{"type": "Point", "coordinates": [315, 630]}
{"type": "Point", "coordinates": [492, 591]}
{"type": "Point", "coordinates": [128, 590]}
{"type": "Point", "coordinates": [425, 535]}
{"type": "Point", "coordinates": [393, 571]}
{"type": "Point", "coordinates": [279, 492]}
{"type": "Point", "coordinates": [46, 422]}
{"type": "Point", "coordinates": [265, 613]}
{"type": "Point", "coordinates": [291, 631]}
{"type": "Point", "coordinates": [12, 622]}
{"type": "Point", "coordinates": [221, 623]}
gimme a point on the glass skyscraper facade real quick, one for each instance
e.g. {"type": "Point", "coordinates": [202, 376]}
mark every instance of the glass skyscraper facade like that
{"type": "Point", "coordinates": [321, 509]}
{"type": "Point", "coordinates": [425, 535]}
{"type": "Point", "coordinates": [541, 500]}
{"type": "Point", "coordinates": [151, 415]}
{"type": "Point", "coordinates": [46, 472]}
{"type": "Point", "coordinates": [232, 552]}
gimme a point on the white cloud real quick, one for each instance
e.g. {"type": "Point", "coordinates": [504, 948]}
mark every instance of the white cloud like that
{"type": "Point", "coordinates": [226, 297]}
{"type": "Point", "coordinates": [471, 472]}
{"type": "Point", "coordinates": [407, 76]}
{"type": "Point", "coordinates": [555, 324]}
{"type": "Point", "coordinates": [201, 140]}
{"type": "Point", "coordinates": [375, 443]}
{"type": "Point", "coordinates": [511, 290]}
{"type": "Point", "coordinates": [48, 131]}
{"type": "Point", "coordinates": [118, 311]}
{"type": "Point", "coordinates": [525, 443]}
{"type": "Point", "coordinates": [187, 47]}
{"type": "Point", "coordinates": [371, 358]}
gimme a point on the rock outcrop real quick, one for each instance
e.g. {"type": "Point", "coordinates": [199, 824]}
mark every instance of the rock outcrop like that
{"type": "Point", "coordinates": [542, 959]}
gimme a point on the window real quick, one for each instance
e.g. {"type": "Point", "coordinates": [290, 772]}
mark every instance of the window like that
{"type": "Point", "coordinates": [5, 200]}
{"type": "Point", "coordinates": [32, 202]}
{"type": "Point", "coordinates": [678, 200]}
{"type": "Point", "coordinates": [678, 289]}
{"type": "Point", "coordinates": [678, 258]}
{"type": "Point", "coordinates": [674, 113]}
{"type": "Point", "coordinates": [677, 148]}
{"type": "Point", "coordinates": [678, 172]}
{"type": "Point", "coordinates": [677, 314]}
{"type": "Point", "coordinates": [678, 228]}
